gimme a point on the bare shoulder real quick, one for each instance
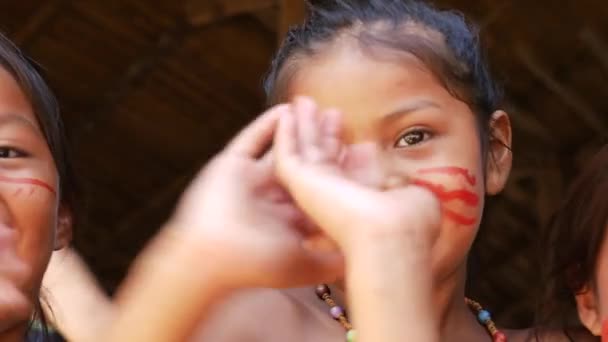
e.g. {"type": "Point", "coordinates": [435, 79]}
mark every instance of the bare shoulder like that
{"type": "Point", "coordinates": [251, 315]}
{"type": "Point", "coordinates": [551, 335]}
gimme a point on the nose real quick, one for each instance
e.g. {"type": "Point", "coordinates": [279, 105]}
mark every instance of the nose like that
{"type": "Point", "coordinates": [368, 164]}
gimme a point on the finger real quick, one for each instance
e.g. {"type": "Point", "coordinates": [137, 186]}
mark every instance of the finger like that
{"type": "Point", "coordinates": [330, 134]}
{"type": "Point", "coordinates": [257, 136]}
{"type": "Point", "coordinates": [268, 158]}
{"type": "Point", "coordinates": [285, 149]}
{"type": "Point", "coordinates": [308, 128]}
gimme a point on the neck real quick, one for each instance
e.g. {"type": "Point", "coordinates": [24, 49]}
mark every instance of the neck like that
{"type": "Point", "coordinates": [456, 321]}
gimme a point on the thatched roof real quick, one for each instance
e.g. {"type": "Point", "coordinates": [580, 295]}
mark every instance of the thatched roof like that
{"type": "Point", "coordinates": [151, 89]}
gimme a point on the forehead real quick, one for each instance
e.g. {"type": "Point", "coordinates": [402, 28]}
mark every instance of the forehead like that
{"type": "Point", "coordinates": [12, 99]}
{"type": "Point", "coordinates": [357, 83]}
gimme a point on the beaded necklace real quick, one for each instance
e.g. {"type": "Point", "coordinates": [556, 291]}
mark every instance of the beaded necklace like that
{"type": "Point", "coordinates": [338, 313]}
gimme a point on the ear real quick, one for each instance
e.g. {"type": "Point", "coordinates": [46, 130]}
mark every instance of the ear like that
{"type": "Point", "coordinates": [500, 158]}
{"type": "Point", "coordinates": [63, 234]}
{"type": "Point", "coordinates": [588, 313]}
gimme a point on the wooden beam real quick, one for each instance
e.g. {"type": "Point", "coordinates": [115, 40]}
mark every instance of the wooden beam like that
{"type": "Point", "coordinates": [43, 15]}
{"type": "Point", "coordinates": [597, 45]}
{"type": "Point", "coordinates": [204, 12]}
{"type": "Point", "coordinates": [166, 43]}
{"type": "Point", "coordinates": [161, 199]}
{"type": "Point", "coordinates": [291, 12]}
{"type": "Point", "coordinates": [568, 96]}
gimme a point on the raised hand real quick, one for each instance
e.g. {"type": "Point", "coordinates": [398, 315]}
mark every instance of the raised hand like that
{"type": "Point", "coordinates": [247, 222]}
{"type": "Point", "coordinates": [310, 161]}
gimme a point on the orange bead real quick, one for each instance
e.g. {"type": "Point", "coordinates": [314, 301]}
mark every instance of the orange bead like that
{"type": "Point", "coordinates": [499, 337]}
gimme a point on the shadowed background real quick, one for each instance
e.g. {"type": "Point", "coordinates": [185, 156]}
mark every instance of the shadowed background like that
{"type": "Point", "coordinates": [151, 89]}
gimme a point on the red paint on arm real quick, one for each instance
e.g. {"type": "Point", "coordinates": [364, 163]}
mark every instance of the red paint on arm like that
{"type": "Point", "coordinates": [28, 181]}
{"type": "Point", "coordinates": [451, 170]}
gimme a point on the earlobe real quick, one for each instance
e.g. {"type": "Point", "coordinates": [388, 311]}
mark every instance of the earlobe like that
{"type": "Point", "coordinates": [588, 311]}
{"type": "Point", "coordinates": [63, 235]}
{"type": "Point", "coordinates": [500, 158]}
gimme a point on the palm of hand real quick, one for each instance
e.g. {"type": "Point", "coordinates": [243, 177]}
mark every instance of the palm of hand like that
{"type": "Point", "coordinates": [247, 222]}
{"type": "Point", "coordinates": [310, 162]}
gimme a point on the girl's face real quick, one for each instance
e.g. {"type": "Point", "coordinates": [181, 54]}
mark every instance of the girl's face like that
{"type": "Point", "coordinates": [29, 202]}
{"type": "Point", "coordinates": [420, 132]}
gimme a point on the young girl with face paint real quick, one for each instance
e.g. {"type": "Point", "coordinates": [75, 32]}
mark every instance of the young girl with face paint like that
{"type": "Point", "coordinates": [36, 192]}
{"type": "Point", "coordinates": [388, 103]}
{"type": "Point", "coordinates": [576, 246]}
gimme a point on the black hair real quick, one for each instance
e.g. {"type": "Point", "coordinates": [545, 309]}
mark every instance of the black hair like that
{"type": "Point", "coordinates": [456, 59]}
{"type": "Point", "coordinates": [572, 242]}
{"type": "Point", "coordinates": [46, 109]}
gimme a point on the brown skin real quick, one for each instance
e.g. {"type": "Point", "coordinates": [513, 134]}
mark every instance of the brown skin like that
{"type": "Point", "coordinates": [366, 91]}
{"type": "Point", "coordinates": [592, 303]}
{"type": "Point", "coordinates": [32, 218]}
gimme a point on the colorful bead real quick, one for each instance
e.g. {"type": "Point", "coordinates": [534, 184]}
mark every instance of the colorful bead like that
{"type": "Point", "coordinates": [336, 312]}
{"type": "Point", "coordinates": [351, 335]}
{"type": "Point", "coordinates": [321, 290]}
{"type": "Point", "coordinates": [484, 316]}
{"type": "Point", "coordinates": [499, 337]}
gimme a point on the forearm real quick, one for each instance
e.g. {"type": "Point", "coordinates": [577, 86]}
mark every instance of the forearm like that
{"type": "Point", "coordinates": [169, 291]}
{"type": "Point", "coordinates": [71, 293]}
{"type": "Point", "coordinates": [389, 288]}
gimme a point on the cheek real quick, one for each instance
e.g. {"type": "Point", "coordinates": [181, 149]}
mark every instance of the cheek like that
{"type": "Point", "coordinates": [459, 192]}
{"type": "Point", "coordinates": [32, 210]}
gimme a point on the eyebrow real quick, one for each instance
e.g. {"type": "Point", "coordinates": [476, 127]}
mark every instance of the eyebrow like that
{"type": "Point", "coordinates": [409, 108]}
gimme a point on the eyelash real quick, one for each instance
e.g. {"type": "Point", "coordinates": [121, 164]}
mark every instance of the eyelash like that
{"type": "Point", "coordinates": [7, 152]}
{"type": "Point", "coordinates": [425, 136]}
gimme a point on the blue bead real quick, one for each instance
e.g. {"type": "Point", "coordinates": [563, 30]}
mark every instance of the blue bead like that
{"type": "Point", "coordinates": [484, 316]}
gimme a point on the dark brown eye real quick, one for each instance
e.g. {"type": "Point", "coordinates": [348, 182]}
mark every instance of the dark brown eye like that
{"type": "Point", "coordinates": [412, 138]}
{"type": "Point", "coordinates": [8, 152]}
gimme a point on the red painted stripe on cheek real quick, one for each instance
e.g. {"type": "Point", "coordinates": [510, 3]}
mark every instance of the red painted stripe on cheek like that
{"type": "Point", "coordinates": [452, 171]}
{"type": "Point", "coordinates": [460, 219]}
{"type": "Point", "coordinates": [468, 197]}
{"type": "Point", "coordinates": [28, 181]}
{"type": "Point", "coordinates": [605, 332]}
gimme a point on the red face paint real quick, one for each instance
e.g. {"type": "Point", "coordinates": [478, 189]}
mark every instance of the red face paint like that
{"type": "Point", "coordinates": [468, 197]}
{"type": "Point", "coordinates": [27, 181]}
{"type": "Point", "coordinates": [463, 195]}
{"type": "Point", "coordinates": [605, 332]}
{"type": "Point", "coordinates": [452, 171]}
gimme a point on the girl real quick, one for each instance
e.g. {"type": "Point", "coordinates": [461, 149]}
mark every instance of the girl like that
{"type": "Point", "coordinates": [36, 191]}
{"type": "Point", "coordinates": [418, 109]}
{"type": "Point", "coordinates": [577, 252]}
